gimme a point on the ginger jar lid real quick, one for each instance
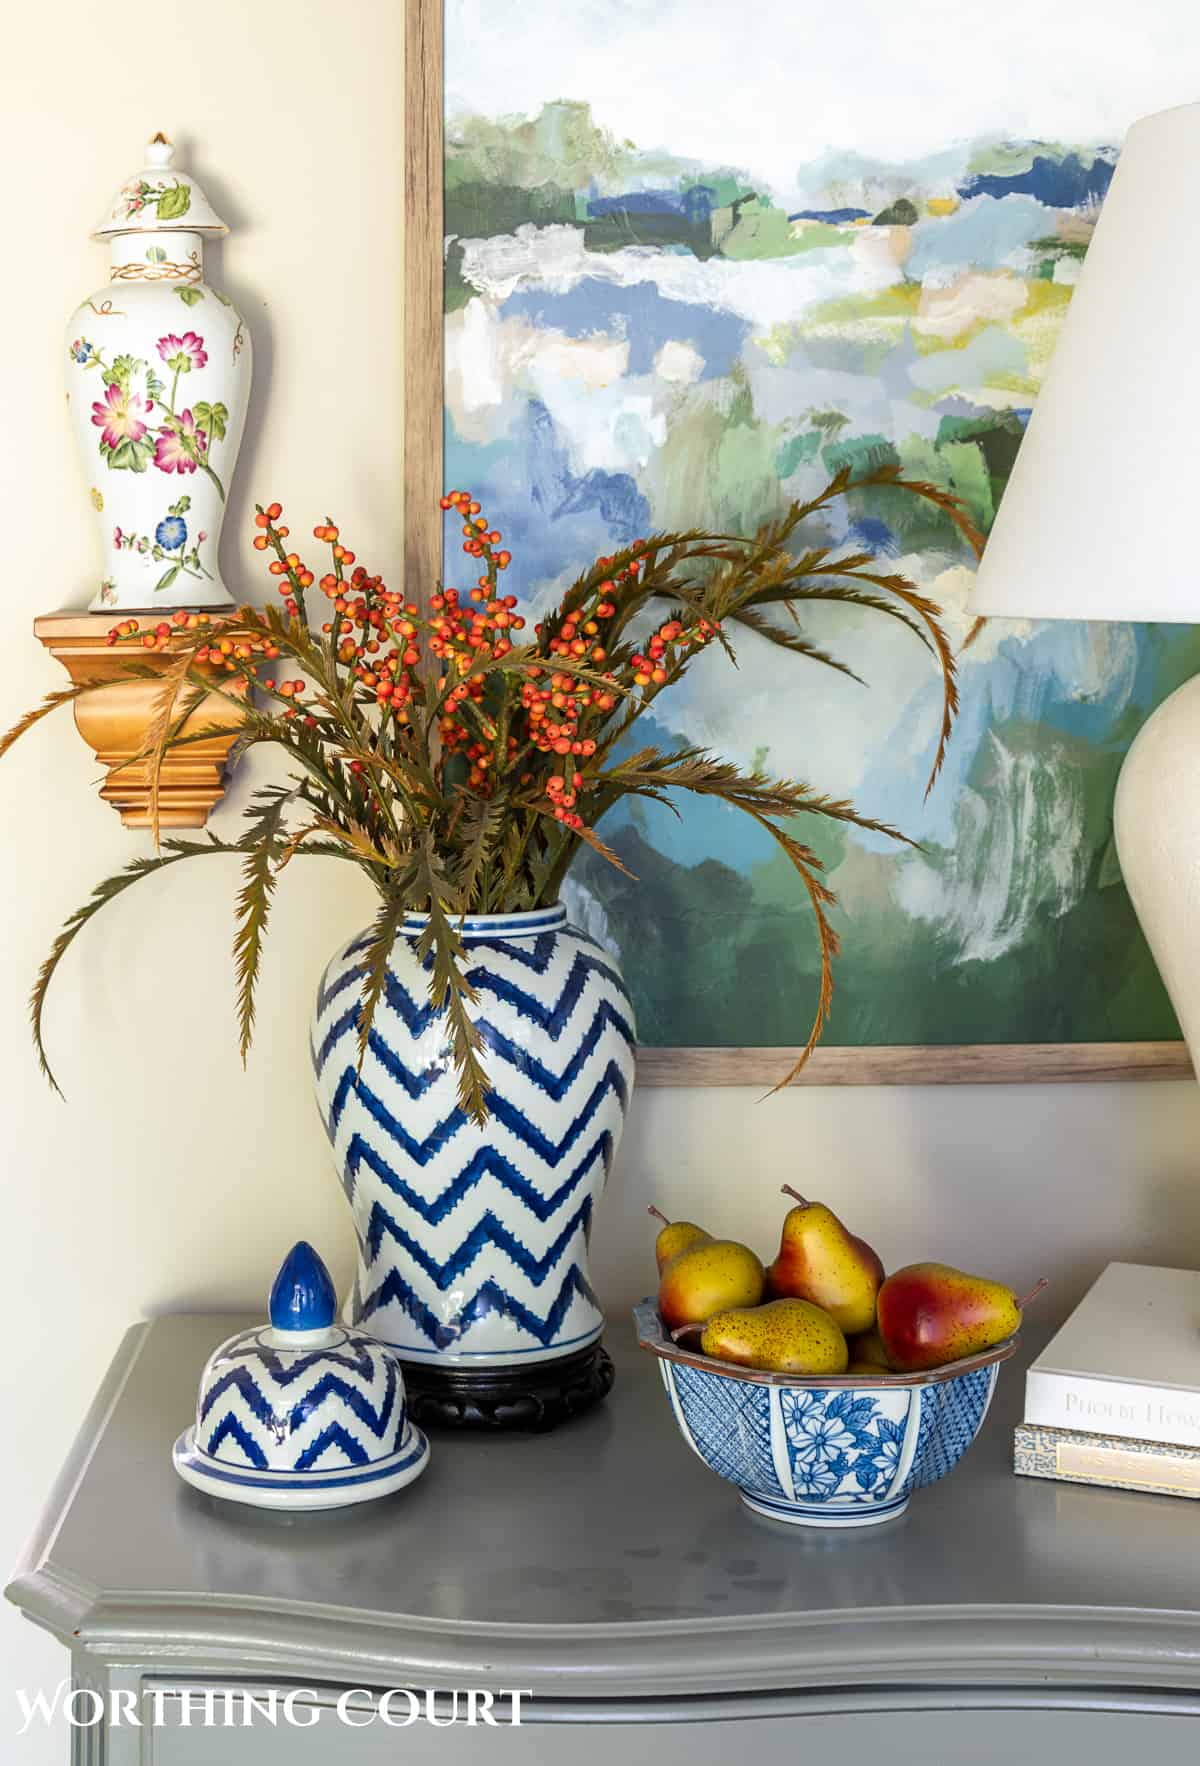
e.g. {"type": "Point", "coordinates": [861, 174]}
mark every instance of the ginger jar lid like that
{"type": "Point", "coordinates": [160, 199]}
{"type": "Point", "coordinates": [302, 1413]}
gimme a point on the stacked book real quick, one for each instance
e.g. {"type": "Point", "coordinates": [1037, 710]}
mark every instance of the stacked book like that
{"type": "Point", "coordinates": [1114, 1398]}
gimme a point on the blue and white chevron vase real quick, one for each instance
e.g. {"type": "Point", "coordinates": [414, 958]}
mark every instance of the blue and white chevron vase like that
{"type": "Point", "coordinates": [473, 1240]}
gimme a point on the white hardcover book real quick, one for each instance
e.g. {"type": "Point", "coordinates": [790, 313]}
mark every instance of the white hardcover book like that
{"type": "Point", "coordinates": [1127, 1361]}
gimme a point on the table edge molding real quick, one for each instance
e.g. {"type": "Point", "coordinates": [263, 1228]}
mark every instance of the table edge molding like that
{"type": "Point", "coordinates": [1065, 1647]}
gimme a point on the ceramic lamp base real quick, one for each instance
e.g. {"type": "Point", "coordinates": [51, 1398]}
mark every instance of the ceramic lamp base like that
{"type": "Point", "coordinates": [1156, 820]}
{"type": "Point", "coordinates": [863, 1516]}
{"type": "Point", "coordinates": [537, 1396]}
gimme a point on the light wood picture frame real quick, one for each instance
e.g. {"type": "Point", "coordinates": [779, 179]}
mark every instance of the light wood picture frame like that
{"type": "Point", "coordinates": [966, 1064]}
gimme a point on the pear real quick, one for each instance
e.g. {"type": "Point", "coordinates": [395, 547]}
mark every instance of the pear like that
{"type": "Point", "coordinates": [819, 1260]}
{"type": "Point", "coordinates": [932, 1313]}
{"type": "Point", "coordinates": [675, 1236]}
{"type": "Point", "coordinates": [783, 1337]}
{"type": "Point", "coordinates": [867, 1353]}
{"type": "Point", "coordinates": [710, 1275]}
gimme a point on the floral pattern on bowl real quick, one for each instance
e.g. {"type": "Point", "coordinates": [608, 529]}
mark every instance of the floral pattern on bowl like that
{"type": "Point", "coordinates": [840, 1452]}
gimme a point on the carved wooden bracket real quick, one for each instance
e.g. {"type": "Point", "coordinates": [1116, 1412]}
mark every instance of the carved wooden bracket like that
{"type": "Point", "coordinates": [113, 721]}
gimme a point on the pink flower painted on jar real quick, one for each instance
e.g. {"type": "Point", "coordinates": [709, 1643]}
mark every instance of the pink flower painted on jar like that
{"type": "Point", "coordinates": [180, 445]}
{"type": "Point", "coordinates": [182, 354]}
{"type": "Point", "coordinates": [117, 416]}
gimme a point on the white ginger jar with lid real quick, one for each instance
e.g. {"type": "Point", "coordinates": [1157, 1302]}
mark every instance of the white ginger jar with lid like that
{"type": "Point", "coordinates": [158, 381]}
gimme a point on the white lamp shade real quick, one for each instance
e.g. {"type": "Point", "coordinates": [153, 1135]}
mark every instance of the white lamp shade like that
{"type": "Point", "coordinates": [1095, 522]}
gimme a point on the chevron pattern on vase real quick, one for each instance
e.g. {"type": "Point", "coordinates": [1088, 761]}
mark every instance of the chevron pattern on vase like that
{"type": "Point", "coordinates": [473, 1241]}
{"type": "Point", "coordinates": [288, 1410]}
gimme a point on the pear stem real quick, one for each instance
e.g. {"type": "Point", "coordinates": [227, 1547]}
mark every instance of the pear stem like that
{"type": "Point", "coordinates": [684, 1330]}
{"type": "Point", "coordinates": [1033, 1293]}
{"type": "Point", "coordinates": [787, 1190]}
{"type": "Point", "coordinates": [658, 1214]}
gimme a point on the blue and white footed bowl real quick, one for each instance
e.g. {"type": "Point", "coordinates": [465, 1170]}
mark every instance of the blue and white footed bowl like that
{"type": "Point", "coordinates": [473, 1240]}
{"type": "Point", "coordinates": [301, 1413]}
{"type": "Point", "coordinates": [837, 1452]}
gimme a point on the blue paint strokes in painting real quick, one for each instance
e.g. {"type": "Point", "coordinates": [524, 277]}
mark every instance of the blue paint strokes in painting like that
{"type": "Point", "coordinates": [695, 204]}
{"type": "Point", "coordinates": [832, 216]}
{"type": "Point", "coordinates": [874, 536]}
{"type": "Point", "coordinates": [1065, 183]}
{"type": "Point", "coordinates": [640, 316]}
{"type": "Point", "coordinates": [562, 495]}
{"type": "Point", "coordinates": [983, 231]}
{"type": "Point", "coordinates": [546, 511]}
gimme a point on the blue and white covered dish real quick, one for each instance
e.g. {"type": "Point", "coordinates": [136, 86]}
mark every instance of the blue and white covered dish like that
{"type": "Point", "coordinates": [303, 1413]}
{"type": "Point", "coordinates": [836, 1451]}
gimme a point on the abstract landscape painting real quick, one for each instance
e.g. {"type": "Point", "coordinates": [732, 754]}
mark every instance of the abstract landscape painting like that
{"type": "Point", "coordinates": [695, 311]}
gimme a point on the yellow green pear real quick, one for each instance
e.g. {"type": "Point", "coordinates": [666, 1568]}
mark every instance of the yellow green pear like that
{"type": "Point", "coordinates": [867, 1353]}
{"type": "Point", "coordinates": [819, 1260]}
{"type": "Point", "coordinates": [708, 1276]}
{"type": "Point", "coordinates": [782, 1337]}
{"type": "Point", "coordinates": [675, 1236]}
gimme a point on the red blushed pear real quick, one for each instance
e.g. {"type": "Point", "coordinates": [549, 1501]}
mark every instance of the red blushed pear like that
{"type": "Point", "coordinates": [820, 1261]}
{"type": "Point", "coordinates": [931, 1314]}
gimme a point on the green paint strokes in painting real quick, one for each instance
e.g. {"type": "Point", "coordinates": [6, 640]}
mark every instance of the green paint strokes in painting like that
{"type": "Point", "coordinates": [716, 449]}
{"type": "Point", "coordinates": [762, 231]}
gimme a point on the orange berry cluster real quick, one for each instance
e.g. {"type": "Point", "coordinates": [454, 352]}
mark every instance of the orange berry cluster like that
{"type": "Point", "coordinates": [377, 637]}
{"type": "Point", "coordinates": [380, 637]}
{"type": "Point", "coordinates": [650, 668]}
{"type": "Point", "coordinates": [461, 636]}
{"type": "Point", "coordinates": [478, 537]}
{"type": "Point", "coordinates": [163, 632]}
{"type": "Point", "coordinates": [231, 654]}
{"type": "Point", "coordinates": [374, 627]}
{"type": "Point", "coordinates": [554, 711]}
{"type": "Point", "coordinates": [288, 565]}
{"type": "Point", "coordinates": [221, 651]}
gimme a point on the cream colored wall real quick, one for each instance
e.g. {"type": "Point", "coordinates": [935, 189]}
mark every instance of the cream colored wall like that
{"type": "Point", "coordinates": [170, 1179]}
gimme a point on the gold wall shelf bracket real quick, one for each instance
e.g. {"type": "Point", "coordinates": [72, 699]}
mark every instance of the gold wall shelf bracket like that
{"type": "Point", "coordinates": [114, 717]}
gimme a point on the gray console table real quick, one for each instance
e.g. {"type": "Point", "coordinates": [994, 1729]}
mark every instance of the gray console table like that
{"type": "Point", "coordinates": [604, 1571]}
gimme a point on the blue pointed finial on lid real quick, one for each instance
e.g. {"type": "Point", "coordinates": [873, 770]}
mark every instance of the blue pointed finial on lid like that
{"type": "Point", "coordinates": [303, 1297]}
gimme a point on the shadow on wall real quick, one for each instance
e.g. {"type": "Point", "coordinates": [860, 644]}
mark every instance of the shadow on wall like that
{"type": "Point", "coordinates": [251, 304]}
